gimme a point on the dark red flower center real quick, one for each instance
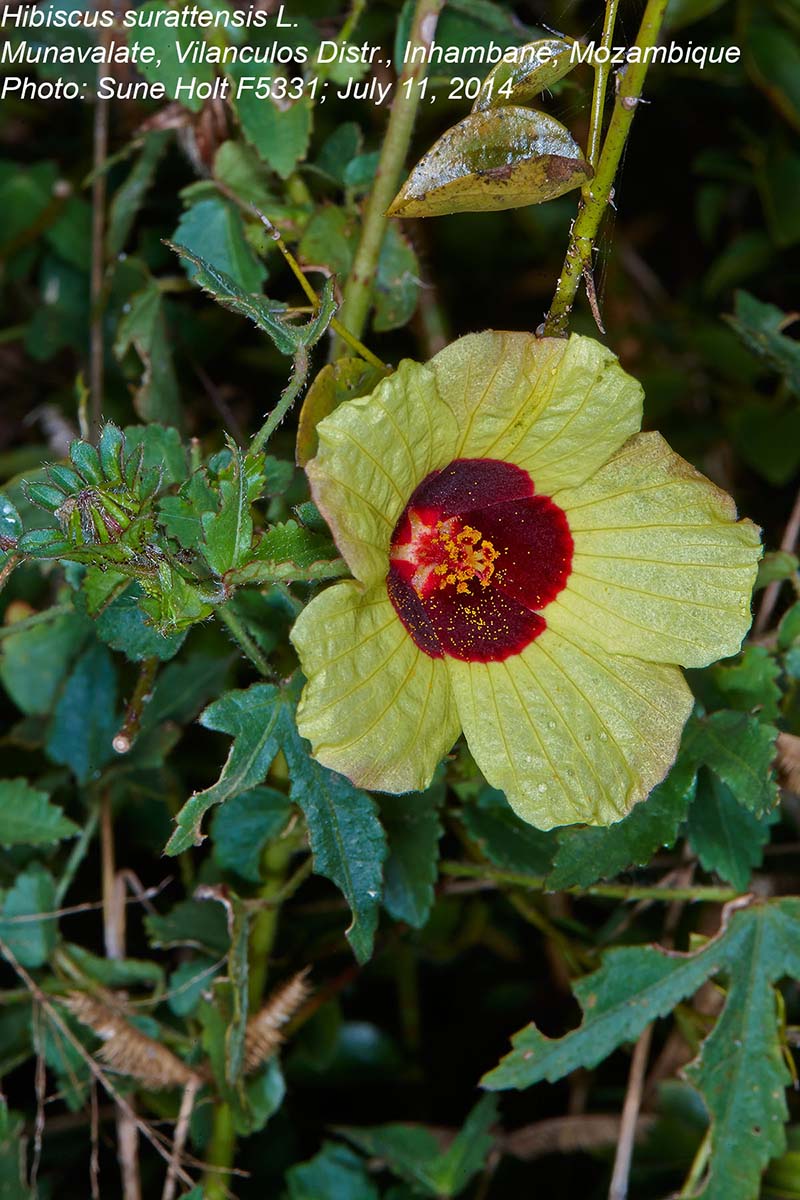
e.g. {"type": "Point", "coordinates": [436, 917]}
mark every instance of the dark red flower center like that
{"type": "Point", "coordinates": [475, 557]}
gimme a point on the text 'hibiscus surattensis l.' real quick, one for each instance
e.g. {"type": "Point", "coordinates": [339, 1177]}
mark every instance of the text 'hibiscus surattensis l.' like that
{"type": "Point", "coordinates": [528, 568]}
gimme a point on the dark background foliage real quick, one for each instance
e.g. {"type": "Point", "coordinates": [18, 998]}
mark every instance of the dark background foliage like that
{"type": "Point", "coordinates": [706, 224]}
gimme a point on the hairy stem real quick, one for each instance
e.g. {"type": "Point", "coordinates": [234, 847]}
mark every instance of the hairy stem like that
{"type": "Point", "coordinates": [597, 193]}
{"type": "Point", "coordinates": [132, 722]}
{"type": "Point", "coordinates": [248, 646]}
{"type": "Point", "coordinates": [358, 289]}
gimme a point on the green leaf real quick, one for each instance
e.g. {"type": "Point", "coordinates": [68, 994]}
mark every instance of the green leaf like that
{"type": "Point", "coordinates": [586, 855]}
{"type": "Point", "coordinates": [726, 837]}
{"type": "Point", "coordinates": [761, 326]}
{"type": "Point", "coordinates": [162, 450]}
{"type": "Point", "coordinates": [85, 718]}
{"type": "Point", "coordinates": [166, 67]}
{"type": "Point", "coordinates": [122, 626]}
{"type": "Point", "coordinates": [395, 289]}
{"type": "Point", "coordinates": [129, 195]}
{"type": "Point", "coordinates": [789, 628]}
{"type": "Point", "coordinates": [183, 688]}
{"type": "Point", "coordinates": [740, 751]}
{"type": "Point", "coordinates": [30, 941]}
{"type": "Point", "coordinates": [213, 232]}
{"type": "Point", "coordinates": [413, 1153]}
{"type": "Point", "coordinates": [253, 718]}
{"type": "Point", "coordinates": [240, 169]}
{"type": "Point", "coordinates": [536, 67]}
{"type": "Point", "coordinates": [144, 327]}
{"type": "Point", "coordinates": [773, 60]}
{"type": "Point", "coordinates": [778, 178]}
{"type": "Point", "coordinates": [503, 838]}
{"type": "Point", "coordinates": [413, 830]}
{"type": "Point", "coordinates": [33, 662]}
{"type": "Point", "coordinates": [264, 1094]}
{"type": "Point", "coordinates": [181, 515]}
{"type": "Point", "coordinates": [280, 135]}
{"type": "Point", "coordinates": [345, 379]}
{"type": "Point", "coordinates": [264, 313]}
{"type": "Point", "coordinates": [502, 158]}
{"type": "Point", "coordinates": [740, 1071]}
{"type": "Point", "coordinates": [188, 982]}
{"type": "Point", "coordinates": [750, 684]}
{"type": "Point", "coordinates": [27, 818]}
{"type": "Point", "coordinates": [346, 837]}
{"type": "Point", "coordinates": [244, 826]}
{"type": "Point", "coordinates": [775, 566]}
{"type": "Point", "coordinates": [330, 239]}
{"type": "Point", "coordinates": [116, 973]}
{"type": "Point", "coordinates": [229, 532]}
{"type": "Point", "coordinates": [288, 552]}
{"type": "Point", "coordinates": [199, 923]}
{"type": "Point", "coordinates": [336, 1173]}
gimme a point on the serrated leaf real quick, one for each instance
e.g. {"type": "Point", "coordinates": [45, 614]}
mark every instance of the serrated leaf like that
{"type": "Point", "coordinates": [27, 818]}
{"type": "Point", "coordinates": [166, 66]}
{"type": "Point", "coordinates": [504, 839]}
{"type": "Point", "coordinates": [346, 837]}
{"type": "Point", "coordinates": [347, 840]}
{"type": "Point", "coordinates": [85, 718]}
{"type": "Point", "coordinates": [502, 158]}
{"type": "Point", "coordinates": [288, 552]}
{"type": "Point", "coordinates": [536, 67]}
{"type": "Point", "coordinates": [280, 134]}
{"type": "Point", "coordinates": [726, 837]}
{"type": "Point", "coordinates": [264, 313]}
{"type": "Point", "coordinates": [740, 751]}
{"type": "Point", "coordinates": [31, 941]}
{"type": "Point", "coordinates": [586, 855]}
{"type": "Point", "coordinates": [253, 718]}
{"type": "Point", "coordinates": [413, 830]}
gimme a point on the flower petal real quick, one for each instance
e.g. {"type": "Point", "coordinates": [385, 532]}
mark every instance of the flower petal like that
{"type": "Point", "coordinates": [661, 568]}
{"type": "Point", "coordinates": [556, 408]}
{"type": "Point", "coordinates": [568, 733]}
{"type": "Point", "coordinates": [373, 452]}
{"type": "Point", "coordinates": [375, 708]}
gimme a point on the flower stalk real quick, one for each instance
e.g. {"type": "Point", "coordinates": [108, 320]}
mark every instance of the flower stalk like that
{"type": "Point", "coordinates": [597, 193]}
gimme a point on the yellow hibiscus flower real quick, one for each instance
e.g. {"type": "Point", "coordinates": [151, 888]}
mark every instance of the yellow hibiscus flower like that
{"type": "Point", "coordinates": [529, 568]}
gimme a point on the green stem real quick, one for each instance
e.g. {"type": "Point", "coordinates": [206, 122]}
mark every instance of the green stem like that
{"type": "Point", "coordinates": [221, 1150]}
{"type": "Point", "coordinates": [9, 567]}
{"type": "Point", "coordinates": [612, 891]}
{"type": "Point", "coordinates": [601, 73]}
{"type": "Point", "coordinates": [248, 646]}
{"type": "Point", "coordinates": [288, 397]}
{"type": "Point", "coordinates": [597, 193]}
{"type": "Point", "coordinates": [220, 1153]}
{"type": "Point", "coordinates": [77, 855]}
{"type": "Point", "coordinates": [358, 289]}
